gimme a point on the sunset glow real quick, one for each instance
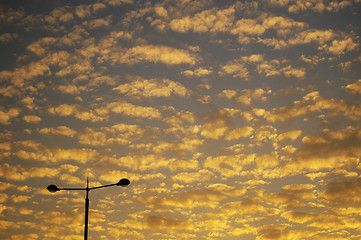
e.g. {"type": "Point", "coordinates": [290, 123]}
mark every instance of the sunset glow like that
{"type": "Point", "coordinates": [231, 119]}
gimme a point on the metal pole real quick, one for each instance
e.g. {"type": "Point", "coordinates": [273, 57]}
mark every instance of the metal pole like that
{"type": "Point", "coordinates": [122, 182]}
{"type": "Point", "coordinates": [86, 210]}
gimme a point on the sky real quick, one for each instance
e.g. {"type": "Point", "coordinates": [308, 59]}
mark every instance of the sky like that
{"type": "Point", "coordinates": [231, 119]}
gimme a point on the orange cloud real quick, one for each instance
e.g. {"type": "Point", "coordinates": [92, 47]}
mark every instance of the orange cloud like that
{"type": "Point", "coordinates": [247, 206]}
{"type": "Point", "coordinates": [289, 136]}
{"type": "Point", "coordinates": [6, 116]}
{"type": "Point", "coordinates": [30, 150]}
{"type": "Point", "coordinates": [339, 47]}
{"type": "Point", "coordinates": [199, 72]}
{"type": "Point", "coordinates": [229, 166]}
{"type": "Point", "coordinates": [333, 150]}
{"type": "Point", "coordinates": [355, 87]}
{"type": "Point", "coordinates": [247, 96]}
{"type": "Point", "coordinates": [8, 37]}
{"type": "Point", "coordinates": [157, 222]}
{"type": "Point", "coordinates": [116, 134]}
{"type": "Point", "coordinates": [129, 109]}
{"type": "Point", "coordinates": [153, 53]}
{"type": "Point", "coordinates": [343, 193]}
{"type": "Point", "coordinates": [208, 197]}
{"type": "Point", "coordinates": [152, 88]}
{"type": "Point", "coordinates": [60, 130]}
{"type": "Point", "coordinates": [184, 165]}
{"type": "Point", "coordinates": [83, 11]}
{"type": "Point", "coordinates": [239, 133]}
{"type": "Point", "coordinates": [27, 72]}
{"type": "Point", "coordinates": [74, 110]}
{"type": "Point", "coordinates": [235, 68]}
{"type": "Point", "coordinates": [98, 23]}
{"type": "Point", "coordinates": [19, 173]}
{"type": "Point", "coordinates": [204, 21]}
{"type": "Point", "coordinates": [219, 122]}
{"type": "Point", "coordinates": [202, 175]}
{"type": "Point", "coordinates": [32, 118]}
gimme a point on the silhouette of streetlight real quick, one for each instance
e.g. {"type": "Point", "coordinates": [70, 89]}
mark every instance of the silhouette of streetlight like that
{"type": "Point", "coordinates": [122, 182]}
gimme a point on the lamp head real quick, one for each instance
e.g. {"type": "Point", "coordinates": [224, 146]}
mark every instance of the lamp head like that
{"type": "Point", "coordinates": [123, 182]}
{"type": "Point", "coordinates": [52, 188]}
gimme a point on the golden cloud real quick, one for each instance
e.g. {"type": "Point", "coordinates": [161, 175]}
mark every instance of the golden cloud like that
{"type": "Point", "coordinates": [236, 69]}
{"type": "Point", "coordinates": [355, 87]}
{"type": "Point", "coordinates": [313, 103]}
{"type": "Point", "coordinates": [116, 134]}
{"type": "Point", "coordinates": [4, 186]}
{"type": "Point", "coordinates": [97, 23]}
{"type": "Point", "coordinates": [152, 88]}
{"type": "Point", "coordinates": [6, 116]}
{"type": "Point", "coordinates": [343, 193]}
{"type": "Point", "coordinates": [229, 166]}
{"type": "Point", "coordinates": [19, 173]}
{"type": "Point", "coordinates": [204, 21]}
{"type": "Point", "coordinates": [99, 138]}
{"type": "Point", "coordinates": [249, 205]}
{"type": "Point", "coordinates": [309, 5]}
{"type": "Point", "coordinates": [202, 175]}
{"type": "Point", "coordinates": [299, 195]}
{"type": "Point", "coordinates": [339, 47]}
{"type": "Point", "coordinates": [247, 26]}
{"type": "Point", "coordinates": [157, 222]}
{"type": "Point", "coordinates": [60, 130]}
{"type": "Point", "coordinates": [20, 198]}
{"type": "Point", "coordinates": [219, 122]}
{"type": "Point", "coordinates": [41, 46]}
{"type": "Point", "coordinates": [229, 94]}
{"type": "Point", "coordinates": [247, 96]}
{"type": "Point", "coordinates": [141, 162]}
{"type": "Point", "coordinates": [84, 10]}
{"type": "Point", "coordinates": [74, 110]}
{"type": "Point", "coordinates": [29, 103]}
{"type": "Point", "coordinates": [8, 37]}
{"type": "Point", "coordinates": [61, 218]}
{"type": "Point", "coordinates": [189, 199]}
{"type": "Point", "coordinates": [42, 153]}
{"type": "Point", "coordinates": [3, 197]}
{"type": "Point", "coordinates": [27, 236]}
{"type": "Point", "coordinates": [9, 91]}
{"type": "Point", "coordinates": [32, 118]}
{"type": "Point", "coordinates": [199, 72]}
{"type": "Point", "coordinates": [58, 15]}
{"type": "Point", "coordinates": [292, 234]}
{"type": "Point", "coordinates": [179, 148]}
{"type": "Point", "coordinates": [129, 109]}
{"type": "Point", "coordinates": [81, 66]}
{"type": "Point", "coordinates": [273, 68]}
{"type": "Point", "coordinates": [238, 133]}
{"type": "Point", "coordinates": [71, 89]}
{"type": "Point", "coordinates": [290, 136]}
{"type": "Point", "coordinates": [333, 150]}
{"type": "Point", "coordinates": [187, 165]}
{"type": "Point", "coordinates": [153, 53]}
{"type": "Point", "coordinates": [30, 71]}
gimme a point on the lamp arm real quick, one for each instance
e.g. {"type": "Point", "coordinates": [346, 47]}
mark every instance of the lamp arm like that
{"type": "Point", "coordinates": [103, 186]}
{"type": "Point", "coordinates": [72, 188]}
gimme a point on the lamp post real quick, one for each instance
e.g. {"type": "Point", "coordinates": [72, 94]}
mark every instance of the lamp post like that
{"type": "Point", "coordinates": [122, 182]}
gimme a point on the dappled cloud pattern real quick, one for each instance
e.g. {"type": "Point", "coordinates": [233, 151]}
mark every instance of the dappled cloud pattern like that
{"type": "Point", "coordinates": [231, 119]}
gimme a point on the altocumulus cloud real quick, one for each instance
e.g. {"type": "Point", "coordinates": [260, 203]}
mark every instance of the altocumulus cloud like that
{"type": "Point", "coordinates": [232, 120]}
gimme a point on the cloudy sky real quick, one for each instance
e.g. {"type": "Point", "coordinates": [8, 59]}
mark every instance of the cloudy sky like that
{"type": "Point", "coordinates": [231, 119]}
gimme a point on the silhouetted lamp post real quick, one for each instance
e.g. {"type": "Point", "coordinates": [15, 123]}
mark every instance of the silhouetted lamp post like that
{"type": "Point", "coordinates": [122, 182]}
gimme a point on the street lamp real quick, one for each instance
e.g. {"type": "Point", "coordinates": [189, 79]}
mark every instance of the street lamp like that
{"type": "Point", "coordinates": [122, 182]}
